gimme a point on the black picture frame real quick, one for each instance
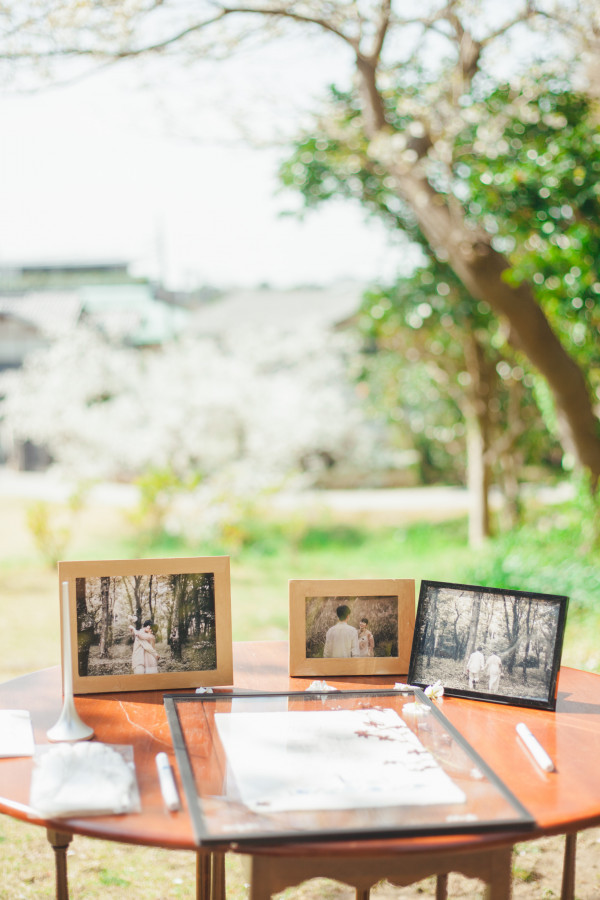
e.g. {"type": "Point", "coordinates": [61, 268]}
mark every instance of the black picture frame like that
{"type": "Point", "coordinates": [220, 814]}
{"type": "Point", "coordinates": [523, 630]}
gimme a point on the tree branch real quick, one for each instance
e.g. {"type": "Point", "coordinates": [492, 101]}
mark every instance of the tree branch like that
{"type": "Point", "coordinates": [118, 54]}
{"type": "Point", "coordinates": [283, 12]}
{"type": "Point", "coordinates": [382, 29]}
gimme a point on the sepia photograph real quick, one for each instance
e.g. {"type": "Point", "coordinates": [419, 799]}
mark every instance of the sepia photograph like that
{"type": "Point", "coordinates": [350, 626]}
{"type": "Point", "coordinates": [340, 627]}
{"type": "Point", "coordinates": [148, 623]}
{"type": "Point", "coordinates": [489, 643]}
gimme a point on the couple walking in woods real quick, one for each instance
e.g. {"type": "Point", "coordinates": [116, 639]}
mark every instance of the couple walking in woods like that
{"type": "Point", "coordinates": [343, 640]}
{"type": "Point", "coordinates": [477, 665]}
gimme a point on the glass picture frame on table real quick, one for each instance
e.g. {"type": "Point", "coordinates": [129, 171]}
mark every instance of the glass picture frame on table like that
{"type": "Point", "coordinates": [305, 766]}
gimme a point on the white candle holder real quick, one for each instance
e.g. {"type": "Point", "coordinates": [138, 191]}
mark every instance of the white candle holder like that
{"type": "Point", "coordinates": [69, 726]}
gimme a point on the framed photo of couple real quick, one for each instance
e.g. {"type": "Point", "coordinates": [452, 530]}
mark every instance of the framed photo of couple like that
{"type": "Point", "coordinates": [351, 626]}
{"type": "Point", "coordinates": [148, 624]}
{"type": "Point", "coordinates": [491, 644]}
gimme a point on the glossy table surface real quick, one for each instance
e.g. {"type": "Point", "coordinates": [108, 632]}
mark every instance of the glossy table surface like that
{"type": "Point", "coordinates": [566, 800]}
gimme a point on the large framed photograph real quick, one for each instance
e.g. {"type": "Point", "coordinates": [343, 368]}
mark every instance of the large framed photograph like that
{"type": "Point", "coordinates": [489, 643]}
{"type": "Point", "coordinates": [149, 624]}
{"type": "Point", "coordinates": [351, 626]}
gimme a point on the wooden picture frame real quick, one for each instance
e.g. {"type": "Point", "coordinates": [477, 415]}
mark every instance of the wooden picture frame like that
{"type": "Point", "coordinates": [389, 604]}
{"type": "Point", "coordinates": [148, 624]}
{"type": "Point", "coordinates": [491, 644]}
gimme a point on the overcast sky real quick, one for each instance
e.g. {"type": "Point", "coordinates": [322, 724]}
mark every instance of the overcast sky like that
{"type": "Point", "coordinates": [100, 170]}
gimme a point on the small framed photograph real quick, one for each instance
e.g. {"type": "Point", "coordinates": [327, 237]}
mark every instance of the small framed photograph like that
{"type": "Point", "coordinates": [351, 626]}
{"type": "Point", "coordinates": [149, 624]}
{"type": "Point", "coordinates": [491, 644]}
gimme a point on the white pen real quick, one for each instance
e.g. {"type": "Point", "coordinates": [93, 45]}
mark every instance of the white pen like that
{"type": "Point", "coordinates": [535, 748]}
{"type": "Point", "coordinates": [167, 782]}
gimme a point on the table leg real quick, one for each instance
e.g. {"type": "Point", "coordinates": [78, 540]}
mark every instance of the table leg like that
{"type": "Point", "coordinates": [60, 843]}
{"type": "Point", "coordinates": [499, 877]}
{"type": "Point", "coordinates": [203, 875]}
{"type": "Point", "coordinates": [217, 886]}
{"type": "Point", "coordinates": [441, 887]}
{"type": "Point", "coordinates": [568, 878]}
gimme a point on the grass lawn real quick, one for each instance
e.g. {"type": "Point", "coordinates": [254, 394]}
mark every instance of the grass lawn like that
{"type": "Point", "coordinates": [260, 573]}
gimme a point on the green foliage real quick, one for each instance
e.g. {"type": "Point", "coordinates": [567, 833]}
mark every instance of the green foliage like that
{"type": "Point", "coordinates": [523, 163]}
{"type": "Point", "coordinates": [533, 178]}
{"type": "Point", "coordinates": [333, 162]}
{"type": "Point", "coordinates": [111, 879]}
{"type": "Point", "coordinates": [424, 328]}
{"type": "Point", "coordinates": [545, 555]}
{"type": "Point", "coordinates": [51, 525]}
{"type": "Point", "coordinates": [158, 489]}
{"type": "Point", "coordinates": [320, 538]}
{"type": "Point", "coordinates": [50, 538]}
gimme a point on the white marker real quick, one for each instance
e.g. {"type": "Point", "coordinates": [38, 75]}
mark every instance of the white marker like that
{"type": "Point", "coordinates": [535, 748]}
{"type": "Point", "coordinates": [167, 782]}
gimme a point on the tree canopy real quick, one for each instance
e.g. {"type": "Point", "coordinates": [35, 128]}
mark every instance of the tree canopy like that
{"type": "Point", "coordinates": [525, 164]}
{"type": "Point", "coordinates": [426, 97]}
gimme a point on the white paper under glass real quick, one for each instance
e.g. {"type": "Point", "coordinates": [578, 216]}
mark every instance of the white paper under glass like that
{"type": "Point", "coordinates": [339, 759]}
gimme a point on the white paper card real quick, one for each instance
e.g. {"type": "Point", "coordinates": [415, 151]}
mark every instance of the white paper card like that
{"type": "Point", "coordinates": [16, 733]}
{"type": "Point", "coordinates": [334, 759]}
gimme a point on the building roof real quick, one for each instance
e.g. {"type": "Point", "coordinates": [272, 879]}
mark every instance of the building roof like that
{"type": "Point", "coordinates": [266, 309]}
{"type": "Point", "coordinates": [129, 312]}
{"type": "Point", "coordinates": [52, 313]}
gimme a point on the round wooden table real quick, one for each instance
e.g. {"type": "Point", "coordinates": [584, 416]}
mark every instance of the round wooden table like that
{"type": "Point", "coordinates": [562, 802]}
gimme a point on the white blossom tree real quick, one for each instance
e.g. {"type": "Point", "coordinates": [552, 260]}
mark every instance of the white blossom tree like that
{"type": "Point", "coordinates": [244, 417]}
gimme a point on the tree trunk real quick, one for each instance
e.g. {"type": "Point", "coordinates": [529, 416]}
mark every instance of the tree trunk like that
{"type": "Point", "coordinates": [477, 420]}
{"type": "Point", "coordinates": [510, 461]}
{"type": "Point", "coordinates": [478, 483]}
{"type": "Point", "coordinates": [137, 593]}
{"type": "Point", "coordinates": [527, 641]}
{"type": "Point", "coordinates": [481, 270]}
{"type": "Point", "coordinates": [430, 634]}
{"type": "Point", "coordinates": [179, 622]}
{"type": "Point", "coordinates": [85, 628]}
{"type": "Point", "coordinates": [473, 627]}
{"type": "Point", "coordinates": [513, 631]}
{"type": "Point", "coordinates": [104, 589]}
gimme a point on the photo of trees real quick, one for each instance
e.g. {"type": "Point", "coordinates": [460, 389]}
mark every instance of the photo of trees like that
{"type": "Point", "coordinates": [490, 641]}
{"type": "Point", "coordinates": [163, 622]}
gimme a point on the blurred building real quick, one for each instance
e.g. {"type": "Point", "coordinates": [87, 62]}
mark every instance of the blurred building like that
{"type": "Point", "coordinates": [40, 301]}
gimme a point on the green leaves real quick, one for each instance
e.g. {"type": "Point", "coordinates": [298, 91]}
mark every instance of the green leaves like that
{"type": "Point", "coordinates": [536, 188]}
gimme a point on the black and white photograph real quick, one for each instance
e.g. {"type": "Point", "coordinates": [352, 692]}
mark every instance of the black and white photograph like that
{"type": "Point", "coordinates": [144, 624]}
{"type": "Point", "coordinates": [351, 626]}
{"type": "Point", "coordinates": [489, 643]}
{"type": "Point", "coordinates": [148, 623]}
